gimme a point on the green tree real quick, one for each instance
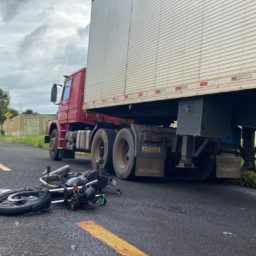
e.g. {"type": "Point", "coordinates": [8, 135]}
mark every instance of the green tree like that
{"type": "Point", "coordinates": [29, 111]}
{"type": "Point", "coordinates": [4, 102]}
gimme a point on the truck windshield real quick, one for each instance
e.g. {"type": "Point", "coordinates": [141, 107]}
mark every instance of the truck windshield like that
{"type": "Point", "coordinates": [66, 90]}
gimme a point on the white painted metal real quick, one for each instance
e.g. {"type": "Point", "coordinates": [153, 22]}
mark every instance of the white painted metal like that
{"type": "Point", "coordinates": [108, 48]}
{"type": "Point", "coordinates": [144, 50]}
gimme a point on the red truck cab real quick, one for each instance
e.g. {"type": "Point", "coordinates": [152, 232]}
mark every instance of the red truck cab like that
{"type": "Point", "coordinates": [74, 128]}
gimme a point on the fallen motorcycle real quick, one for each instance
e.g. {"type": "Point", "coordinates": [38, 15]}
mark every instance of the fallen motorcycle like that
{"type": "Point", "coordinates": [73, 189]}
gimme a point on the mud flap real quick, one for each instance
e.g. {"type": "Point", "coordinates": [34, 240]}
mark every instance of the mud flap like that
{"type": "Point", "coordinates": [228, 166]}
{"type": "Point", "coordinates": [151, 149]}
{"type": "Point", "coordinates": [149, 166]}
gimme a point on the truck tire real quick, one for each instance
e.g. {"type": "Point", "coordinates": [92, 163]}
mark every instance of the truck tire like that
{"type": "Point", "coordinates": [205, 167]}
{"type": "Point", "coordinates": [102, 146]}
{"type": "Point", "coordinates": [124, 154]}
{"type": "Point", "coordinates": [53, 146]}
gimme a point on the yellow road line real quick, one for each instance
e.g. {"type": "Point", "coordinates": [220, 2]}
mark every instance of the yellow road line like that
{"type": "Point", "coordinates": [4, 168]}
{"type": "Point", "coordinates": [119, 245]}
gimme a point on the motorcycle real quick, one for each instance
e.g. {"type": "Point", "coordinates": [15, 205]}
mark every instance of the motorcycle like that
{"type": "Point", "coordinates": [62, 186]}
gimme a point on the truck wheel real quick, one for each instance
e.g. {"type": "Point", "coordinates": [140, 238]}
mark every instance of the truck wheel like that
{"type": "Point", "coordinates": [53, 146]}
{"type": "Point", "coordinates": [206, 167]}
{"type": "Point", "coordinates": [124, 154]}
{"type": "Point", "coordinates": [102, 145]}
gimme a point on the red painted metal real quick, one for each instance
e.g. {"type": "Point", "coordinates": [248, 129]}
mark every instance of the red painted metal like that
{"type": "Point", "coordinates": [71, 111]}
{"type": "Point", "coordinates": [204, 83]}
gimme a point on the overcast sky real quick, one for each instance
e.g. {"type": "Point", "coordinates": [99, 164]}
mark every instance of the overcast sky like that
{"type": "Point", "coordinates": [40, 42]}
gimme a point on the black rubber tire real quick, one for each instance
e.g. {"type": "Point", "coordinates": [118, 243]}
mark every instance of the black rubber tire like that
{"type": "Point", "coordinates": [124, 154]}
{"type": "Point", "coordinates": [42, 202]}
{"type": "Point", "coordinates": [103, 143]}
{"type": "Point", "coordinates": [53, 146]}
{"type": "Point", "coordinates": [205, 167]}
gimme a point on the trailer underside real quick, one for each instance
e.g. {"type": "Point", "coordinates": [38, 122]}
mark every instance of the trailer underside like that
{"type": "Point", "coordinates": [243, 104]}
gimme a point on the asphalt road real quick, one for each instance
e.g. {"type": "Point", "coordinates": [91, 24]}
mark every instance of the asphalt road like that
{"type": "Point", "coordinates": [159, 217]}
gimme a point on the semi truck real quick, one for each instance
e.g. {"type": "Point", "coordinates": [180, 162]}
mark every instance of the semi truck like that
{"type": "Point", "coordinates": [172, 84]}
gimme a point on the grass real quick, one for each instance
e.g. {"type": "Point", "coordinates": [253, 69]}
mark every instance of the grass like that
{"type": "Point", "coordinates": [247, 179]}
{"type": "Point", "coordinates": [36, 141]}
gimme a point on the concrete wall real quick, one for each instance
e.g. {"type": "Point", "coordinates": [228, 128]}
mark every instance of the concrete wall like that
{"type": "Point", "coordinates": [33, 124]}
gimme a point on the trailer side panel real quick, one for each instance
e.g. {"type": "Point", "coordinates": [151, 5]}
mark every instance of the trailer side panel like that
{"type": "Point", "coordinates": [143, 51]}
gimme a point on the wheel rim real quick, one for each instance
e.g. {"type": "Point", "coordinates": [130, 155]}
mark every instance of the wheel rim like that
{"type": "Point", "coordinates": [19, 199]}
{"type": "Point", "coordinates": [52, 145]}
{"type": "Point", "coordinates": [124, 158]}
{"type": "Point", "coordinates": [123, 154]}
{"type": "Point", "coordinates": [99, 149]}
{"type": "Point", "coordinates": [99, 153]}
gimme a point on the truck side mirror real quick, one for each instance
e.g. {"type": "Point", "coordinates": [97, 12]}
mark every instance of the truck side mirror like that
{"type": "Point", "coordinates": [54, 93]}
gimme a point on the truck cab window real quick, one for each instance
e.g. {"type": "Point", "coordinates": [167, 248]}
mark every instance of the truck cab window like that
{"type": "Point", "coordinates": [66, 90]}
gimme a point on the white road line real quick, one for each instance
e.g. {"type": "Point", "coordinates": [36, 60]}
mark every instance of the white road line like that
{"type": "Point", "coordinates": [4, 168]}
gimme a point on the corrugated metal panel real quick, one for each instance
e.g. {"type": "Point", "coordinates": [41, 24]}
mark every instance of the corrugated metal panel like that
{"type": "Point", "coordinates": [179, 42]}
{"type": "Point", "coordinates": [164, 49]}
{"type": "Point", "coordinates": [142, 53]}
{"type": "Point", "coordinates": [108, 49]}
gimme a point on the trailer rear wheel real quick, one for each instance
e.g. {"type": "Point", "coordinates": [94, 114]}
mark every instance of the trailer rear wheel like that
{"type": "Point", "coordinates": [53, 146]}
{"type": "Point", "coordinates": [102, 146]}
{"type": "Point", "coordinates": [124, 154]}
{"type": "Point", "coordinates": [205, 167]}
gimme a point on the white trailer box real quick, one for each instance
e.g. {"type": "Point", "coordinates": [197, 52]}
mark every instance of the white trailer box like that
{"type": "Point", "coordinates": [150, 50]}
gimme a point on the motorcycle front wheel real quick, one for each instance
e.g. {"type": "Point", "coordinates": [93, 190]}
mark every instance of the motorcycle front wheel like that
{"type": "Point", "coordinates": [16, 202]}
